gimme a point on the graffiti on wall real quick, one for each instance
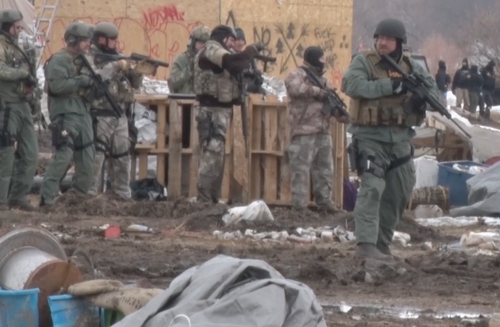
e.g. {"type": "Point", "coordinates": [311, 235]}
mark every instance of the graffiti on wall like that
{"type": "Point", "coordinates": [163, 32]}
{"type": "Point", "coordinates": [288, 41]}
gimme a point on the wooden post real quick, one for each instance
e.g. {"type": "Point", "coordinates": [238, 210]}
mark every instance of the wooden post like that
{"type": "Point", "coordinates": [175, 150]}
{"type": "Point", "coordinates": [161, 118]}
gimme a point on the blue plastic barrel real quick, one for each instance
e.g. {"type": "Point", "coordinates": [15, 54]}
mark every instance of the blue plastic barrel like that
{"type": "Point", "coordinates": [19, 308]}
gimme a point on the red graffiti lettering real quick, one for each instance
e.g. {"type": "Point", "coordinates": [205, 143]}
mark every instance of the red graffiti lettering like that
{"type": "Point", "coordinates": [336, 78]}
{"type": "Point", "coordinates": [154, 18]}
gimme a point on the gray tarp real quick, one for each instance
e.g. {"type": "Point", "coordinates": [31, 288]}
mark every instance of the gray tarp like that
{"type": "Point", "coordinates": [227, 291]}
{"type": "Point", "coordinates": [484, 194]}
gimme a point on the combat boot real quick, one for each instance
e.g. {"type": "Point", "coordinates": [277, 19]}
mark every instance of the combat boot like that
{"type": "Point", "coordinates": [21, 205]}
{"type": "Point", "coordinates": [370, 251]}
{"type": "Point", "coordinates": [330, 209]}
{"type": "Point", "coordinates": [385, 249]}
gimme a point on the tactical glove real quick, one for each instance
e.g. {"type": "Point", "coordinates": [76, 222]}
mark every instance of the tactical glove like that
{"type": "Point", "coordinates": [398, 87]}
{"type": "Point", "coordinates": [259, 46]}
{"type": "Point", "coordinates": [30, 81]}
{"type": "Point", "coordinates": [145, 68]}
{"type": "Point", "coordinates": [123, 65]}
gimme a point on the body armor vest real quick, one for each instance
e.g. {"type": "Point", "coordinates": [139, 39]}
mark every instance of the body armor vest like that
{"type": "Point", "coordinates": [220, 85]}
{"type": "Point", "coordinates": [385, 111]}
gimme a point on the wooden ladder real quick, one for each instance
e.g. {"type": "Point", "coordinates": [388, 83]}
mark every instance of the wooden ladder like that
{"type": "Point", "coordinates": [43, 25]}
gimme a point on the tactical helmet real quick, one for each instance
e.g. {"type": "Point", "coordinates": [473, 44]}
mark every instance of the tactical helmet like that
{"type": "Point", "coordinates": [200, 33]}
{"type": "Point", "coordinates": [106, 29]}
{"type": "Point", "coordinates": [240, 34]}
{"type": "Point", "coordinates": [220, 32]}
{"type": "Point", "coordinates": [79, 31]}
{"type": "Point", "coordinates": [392, 28]}
{"type": "Point", "coordinates": [10, 16]}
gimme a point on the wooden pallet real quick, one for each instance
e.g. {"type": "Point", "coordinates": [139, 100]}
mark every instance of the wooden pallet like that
{"type": "Point", "coordinates": [267, 170]}
{"type": "Point", "coordinates": [177, 151]}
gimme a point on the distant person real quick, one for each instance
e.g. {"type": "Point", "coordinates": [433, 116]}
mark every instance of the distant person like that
{"type": "Point", "coordinates": [475, 87]}
{"type": "Point", "coordinates": [240, 41]}
{"type": "Point", "coordinates": [459, 85]}
{"type": "Point", "coordinates": [443, 80]}
{"type": "Point", "coordinates": [488, 73]}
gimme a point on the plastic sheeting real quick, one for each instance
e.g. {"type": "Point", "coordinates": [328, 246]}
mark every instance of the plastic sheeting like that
{"type": "Point", "coordinates": [227, 291]}
{"type": "Point", "coordinates": [484, 194]}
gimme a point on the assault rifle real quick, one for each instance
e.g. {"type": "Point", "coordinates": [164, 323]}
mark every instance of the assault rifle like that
{"type": "Point", "coordinates": [254, 75]}
{"type": "Point", "coordinates": [416, 84]}
{"type": "Point", "coordinates": [99, 57]}
{"type": "Point", "coordinates": [333, 101]}
{"type": "Point", "coordinates": [99, 86]}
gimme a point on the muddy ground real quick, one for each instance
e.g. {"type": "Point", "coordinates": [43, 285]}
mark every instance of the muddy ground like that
{"type": "Point", "coordinates": [429, 282]}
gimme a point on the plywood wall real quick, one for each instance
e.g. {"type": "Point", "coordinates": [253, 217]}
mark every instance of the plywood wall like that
{"type": "Point", "coordinates": [160, 28]}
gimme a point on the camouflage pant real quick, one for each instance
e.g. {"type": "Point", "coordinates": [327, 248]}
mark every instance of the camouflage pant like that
{"type": "Point", "coordinates": [212, 124]}
{"type": "Point", "coordinates": [112, 141]}
{"type": "Point", "coordinates": [311, 154]}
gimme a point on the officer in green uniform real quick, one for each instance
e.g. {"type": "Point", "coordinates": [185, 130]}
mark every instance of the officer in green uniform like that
{"type": "Point", "coordinates": [383, 113]}
{"type": "Point", "coordinates": [17, 82]}
{"type": "Point", "coordinates": [71, 123]}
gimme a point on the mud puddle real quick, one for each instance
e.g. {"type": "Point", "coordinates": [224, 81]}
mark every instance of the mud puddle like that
{"type": "Point", "coordinates": [360, 310]}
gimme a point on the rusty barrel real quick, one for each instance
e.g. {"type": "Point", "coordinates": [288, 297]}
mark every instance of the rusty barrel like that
{"type": "Point", "coordinates": [32, 257]}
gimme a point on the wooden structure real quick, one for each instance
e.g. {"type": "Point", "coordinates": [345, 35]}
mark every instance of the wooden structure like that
{"type": "Point", "coordinates": [265, 174]}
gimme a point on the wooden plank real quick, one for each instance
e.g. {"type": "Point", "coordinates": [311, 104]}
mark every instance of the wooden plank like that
{"type": "Point", "coordinates": [226, 177]}
{"type": "Point", "coordinates": [339, 155]}
{"type": "Point", "coordinates": [195, 157]}
{"type": "Point", "coordinates": [270, 162]}
{"type": "Point", "coordinates": [175, 148]}
{"type": "Point", "coordinates": [285, 173]}
{"type": "Point", "coordinates": [255, 144]}
{"type": "Point", "coordinates": [161, 124]}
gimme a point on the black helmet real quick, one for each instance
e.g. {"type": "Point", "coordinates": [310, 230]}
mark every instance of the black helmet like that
{"type": "Point", "coordinates": [106, 29]}
{"type": "Point", "coordinates": [392, 28]}
{"type": "Point", "coordinates": [240, 35]}
{"type": "Point", "coordinates": [220, 32]}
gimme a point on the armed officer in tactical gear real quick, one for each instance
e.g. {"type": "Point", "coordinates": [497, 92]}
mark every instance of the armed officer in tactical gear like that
{"type": "Point", "coordinates": [111, 132]}
{"type": "Point", "coordinates": [180, 79]}
{"type": "Point", "coordinates": [69, 110]}
{"type": "Point", "coordinates": [383, 113]}
{"type": "Point", "coordinates": [217, 91]}
{"type": "Point", "coordinates": [17, 82]}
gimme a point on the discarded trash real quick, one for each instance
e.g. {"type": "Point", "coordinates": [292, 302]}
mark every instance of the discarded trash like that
{"type": "Point", "coordinates": [473, 170]}
{"type": "Point", "coordinates": [255, 211]}
{"type": "Point", "coordinates": [113, 232]}
{"type": "Point", "coordinates": [343, 235]}
{"type": "Point", "coordinates": [402, 238]}
{"type": "Point", "coordinates": [428, 211]}
{"type": "Point", "coordinates": [139, 228]}
{"type": "Point", "coordinates": [458, 221]}
{"type": "Point", "coordinates": [475, 239]}
{"type": "Point", "coordinates": [327, 236]}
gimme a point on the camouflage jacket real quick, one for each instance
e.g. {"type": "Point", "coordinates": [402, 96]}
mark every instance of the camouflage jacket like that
{"type": "Point", "coordinates": [121, 83]}
{"type": "Point", "coordinates": [65, 85]}
{"type": "Point", "coordinates": [180, 79]}
{"type": "Point", "coordinates": [14, 68]}
{"type": "Point", "coordinates": [305, 102]}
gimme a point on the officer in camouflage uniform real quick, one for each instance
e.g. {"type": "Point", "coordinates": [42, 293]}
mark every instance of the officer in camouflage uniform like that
{"type": "Point", "coordinates": [112, 133]}
{"type": "Point", "coordinates": [71, 123]}
{"type": "Point", "coordinates": [217, 91]}
{"type": "Point", "coordinates": [17, 82]}
{"type": "Point", "coordinates": [180, 79]}
{"type": "Point", "coordinates": [383, 113]}
{"type": "Point", "coordinates": [310, 149]}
